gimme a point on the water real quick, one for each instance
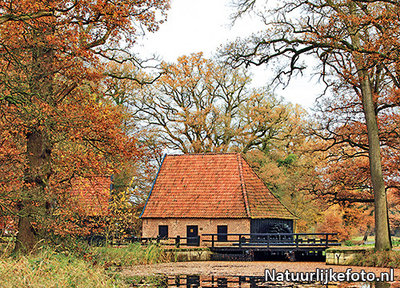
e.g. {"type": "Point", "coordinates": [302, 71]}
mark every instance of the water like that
{"type": "Point", "coordinates": [195, 281]}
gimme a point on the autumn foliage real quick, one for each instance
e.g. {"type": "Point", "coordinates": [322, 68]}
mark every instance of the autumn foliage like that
{"type": "Point", "coordinates": [55, 122]}
{"type": "Point", "coordinates": [74, 106]}
{"type": "Point", "coordinates": [199, 105]}
{"type": "Point", "coordinates": [356, 47]}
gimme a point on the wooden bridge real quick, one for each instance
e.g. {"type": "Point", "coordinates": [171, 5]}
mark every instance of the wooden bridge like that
{"type": "Point", "coordinates": [291, 245]}
{"type": "Point", "coordinates": [271, 241]}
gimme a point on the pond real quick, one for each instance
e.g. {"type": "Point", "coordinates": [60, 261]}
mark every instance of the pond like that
{"type": "Point", "coordinates": [194, 281]}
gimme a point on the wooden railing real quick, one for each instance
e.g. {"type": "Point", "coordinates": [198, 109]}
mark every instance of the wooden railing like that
{"type": "Point", "coordinates": [268, 240]}
{"type": "Point", "coordinates": [168, 241]}
{"type": "Point", "coordinates": [242, 240]}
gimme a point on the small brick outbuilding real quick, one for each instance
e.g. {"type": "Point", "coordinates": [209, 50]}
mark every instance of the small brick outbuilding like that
{"type": "Point", "coordinates": [90, 196]}
{"type": "Point", "coordinates": [195, 194]}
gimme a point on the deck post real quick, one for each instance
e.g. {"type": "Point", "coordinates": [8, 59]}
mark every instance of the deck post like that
{"type": "Point", "coordinates": [177, 241]}
{"type": "Point", "coordinates": [327, 235]}
{"type": "Point", "coordinates": [212, 240]}
{"type": "Point", "coordinates": [268, 240]}
{"type": "Point", "coordinates": [297, 240]}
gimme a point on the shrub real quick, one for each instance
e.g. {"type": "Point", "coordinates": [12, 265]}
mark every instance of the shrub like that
{"type": "Point", "coordinates": [389, 259]}
{"type": "Point", "coordinates": [348, 243]}
{"type": "Point", "coordinates": [50, 269]}
{"type": "Point", "coordinates": [130, 255]}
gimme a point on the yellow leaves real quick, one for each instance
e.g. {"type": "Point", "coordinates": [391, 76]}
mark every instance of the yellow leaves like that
{"type": "Point", "coordinates": [190, 71]}
{"type": "Point", "coordinates": [199, 105]}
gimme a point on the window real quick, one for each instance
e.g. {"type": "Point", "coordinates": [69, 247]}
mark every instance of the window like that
{"type": "Point", "coordinates": [163, 231]}
{"type": "Point", "coordinates": [222, 229]}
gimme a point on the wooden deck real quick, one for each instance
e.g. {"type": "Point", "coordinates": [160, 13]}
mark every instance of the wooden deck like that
{"type": "Point", "coordinates": [283, 242]}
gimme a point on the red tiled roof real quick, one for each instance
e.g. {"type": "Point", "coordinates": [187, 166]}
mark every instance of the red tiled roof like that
{"type": "Point", "coordinates": [91, 195]}
{"type": "Point", "coordinates": [261, 202]}
{"type": "Point", "coordinates": [210, 186]}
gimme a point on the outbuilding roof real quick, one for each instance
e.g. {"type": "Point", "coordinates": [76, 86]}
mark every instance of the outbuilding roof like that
{"type": "Point", "coordinates": [211, 186]}
{"type": "Point", "coordinates": [90, 196]}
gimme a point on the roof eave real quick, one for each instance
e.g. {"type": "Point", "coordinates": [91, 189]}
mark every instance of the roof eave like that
{"type": "Point", "coordinates": [152, 187]}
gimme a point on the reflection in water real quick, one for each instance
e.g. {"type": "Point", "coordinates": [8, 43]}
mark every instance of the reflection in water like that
{"type": "Point", "coordinates": [194, 281]}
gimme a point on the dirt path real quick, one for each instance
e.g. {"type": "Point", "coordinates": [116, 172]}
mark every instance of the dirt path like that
{"type": "Point", "coordinates": [237, 268]}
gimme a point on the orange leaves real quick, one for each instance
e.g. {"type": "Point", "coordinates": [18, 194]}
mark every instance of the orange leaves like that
{"type": "Point", "coordinates": [189, 72]}
{"type": "Point", "coordinates": [332, 222]}
{"type": "Point", "coordinates": [51, 84]}
{"type": "Point", "coordinates": [72, 28]}
{"type": "Point", "coordinates": [200, 106]}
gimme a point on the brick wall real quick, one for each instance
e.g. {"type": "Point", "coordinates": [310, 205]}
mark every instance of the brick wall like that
{"type": "Point", "coordinates": [178, 226]}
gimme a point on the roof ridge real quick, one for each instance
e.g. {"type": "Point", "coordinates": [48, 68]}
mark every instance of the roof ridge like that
{"type": "Point", "coordinates": [256, 174]}
{"type": "Point", "coordinates": [243, 185]}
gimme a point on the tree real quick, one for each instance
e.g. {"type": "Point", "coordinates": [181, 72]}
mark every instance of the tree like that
{"type": "Point", "coordinates": [121, 80]}
{"type": "Point", "coordinates": [354, 41]}
{"type": "Point", "coordinates": [53, 113]}
{"type": "Point", "coordinates": [199, 106]}
{"type": "Point", "coordinates": [289, 173]}
{"type": "Point", "coordinates": [345, 172]}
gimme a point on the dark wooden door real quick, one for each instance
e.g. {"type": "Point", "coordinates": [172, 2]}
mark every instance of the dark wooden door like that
{"type": "Point", "coordinates": [163, 231]}
{"type": "Point", "coordinates": [192, 232]}
{"type": "Point", "coordinates": [222, 229]}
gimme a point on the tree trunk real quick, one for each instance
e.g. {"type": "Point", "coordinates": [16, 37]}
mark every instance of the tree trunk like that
{"type": "Point", "coordinates": [26, 237]}
{"type": "Point", "coordinates": [382, 231]}
{"type": "Point", "coordinates": [366, 234]}
{"type": "Point", "coordinates": [38, 145]}
{"type": "Point", "coordinates": [33, 200]}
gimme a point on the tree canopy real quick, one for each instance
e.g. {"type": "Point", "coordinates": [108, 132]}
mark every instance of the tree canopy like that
{"type": "Point", "coordinates": [357, 46]}
{"type": "Point", "coordinates": [55, 121]}
{"type": "Point", "coordinates": [198, 105]}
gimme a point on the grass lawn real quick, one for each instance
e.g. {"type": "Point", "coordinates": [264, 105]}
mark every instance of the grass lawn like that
{"type": "Point", "coordinates": [87, 267]}
{"type": "Point", "coordinates": [371, 240]}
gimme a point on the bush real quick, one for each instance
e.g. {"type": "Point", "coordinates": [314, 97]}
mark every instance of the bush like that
{"type": "Point", "coordinates": [348, 243]}
{"type": "Point", "coordinates": [396, 242]}
{"type": "Point", "coordinates": [50, 269]}
{"type": "Point", "coordinates": [130, 255]}
{"type": "Point", "coordinates": [388, 259]}
{"type": "Point", "coordinates": [71, 262]}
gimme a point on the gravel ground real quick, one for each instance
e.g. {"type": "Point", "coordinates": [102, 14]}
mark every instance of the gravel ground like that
{"type": "Point", "coordinates": [238, 268]}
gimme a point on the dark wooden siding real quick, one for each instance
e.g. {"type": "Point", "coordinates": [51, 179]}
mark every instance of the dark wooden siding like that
{"type": "Point", "coordinates": [271, 226]}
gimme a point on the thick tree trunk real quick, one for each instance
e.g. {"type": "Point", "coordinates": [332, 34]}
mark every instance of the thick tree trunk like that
{"type": "Point", "coordinates": [382, 231]}
{"type": "Point", "coordinates": [33, 201]}
{"type": "Point", "coordinates": [26, 237]}
{"type": "Point", "coordinates": [38, 147]}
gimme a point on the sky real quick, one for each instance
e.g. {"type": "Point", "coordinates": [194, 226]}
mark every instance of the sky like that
{"type": "Point", "coordinates": [204, 26]}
